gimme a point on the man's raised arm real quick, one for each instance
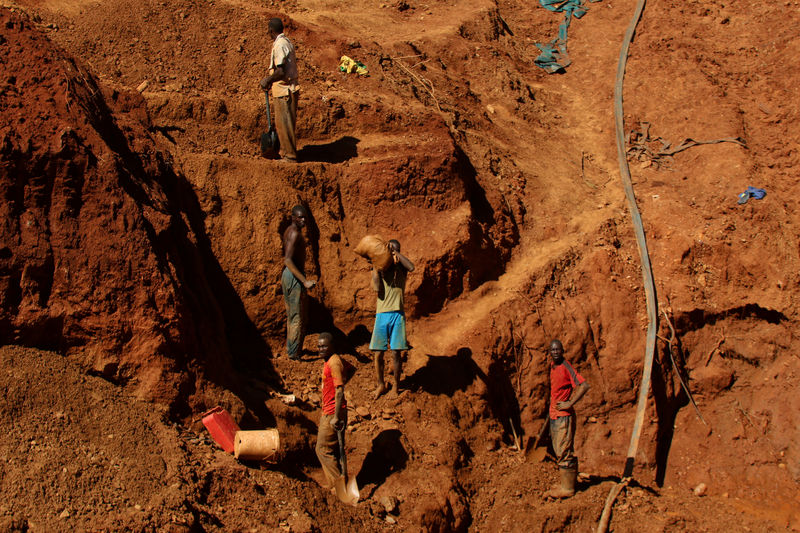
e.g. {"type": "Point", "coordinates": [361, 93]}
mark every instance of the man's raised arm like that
{"type": "Point", "coordinates": [405, 261]}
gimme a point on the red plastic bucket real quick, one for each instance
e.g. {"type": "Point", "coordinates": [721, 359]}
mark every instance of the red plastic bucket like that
{"type": "Point", "coordinates": [223, 429]}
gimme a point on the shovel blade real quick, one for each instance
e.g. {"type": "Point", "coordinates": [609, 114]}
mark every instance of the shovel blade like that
{"type": "Point", "coordinates": [347, 490]}
{"type": "Point", "coordinates": [537, 455]}
{"type": "Point", "coordinates": [270, 144]}
{"type": "Point", "coordinates": [352, 490]}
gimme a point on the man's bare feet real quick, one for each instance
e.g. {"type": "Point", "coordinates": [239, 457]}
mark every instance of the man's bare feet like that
{"type": "Point", "coordinates": [380, 391]}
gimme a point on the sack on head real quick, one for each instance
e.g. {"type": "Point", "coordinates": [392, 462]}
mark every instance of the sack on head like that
{"type": "Point", "coordinates": [376, 250]}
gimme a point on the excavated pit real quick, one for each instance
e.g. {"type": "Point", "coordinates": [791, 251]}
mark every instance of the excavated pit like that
{"type": "Point", "coordinates": [141, 241]}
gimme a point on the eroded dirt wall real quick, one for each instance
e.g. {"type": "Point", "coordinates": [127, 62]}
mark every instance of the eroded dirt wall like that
{"type": "Point", "coordinates": [104, 253]}
{"type": "Point", "coordinates": [376, 155]}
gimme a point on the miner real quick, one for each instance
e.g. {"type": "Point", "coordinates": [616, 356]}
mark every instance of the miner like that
{"type": "Point", "coordinates": [294, 282]}
{"type": "Point", "coordinates": [282, 81]}
{"type": "Point", "coordinates": [335, 372]}
{"type": "Point", "coordinates": [390, 321]}
{"type": "Point", "coordinates": [567, 387]}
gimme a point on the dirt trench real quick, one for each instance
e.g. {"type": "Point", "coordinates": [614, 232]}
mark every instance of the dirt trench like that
{"type": "Point", "coordinates": [520, 235]}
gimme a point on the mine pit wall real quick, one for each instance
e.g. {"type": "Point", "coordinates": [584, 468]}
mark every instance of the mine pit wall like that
{"type": "Point", "coordinates": [103, 255]}
{"type": "Point", "coordinates": [426, 196]}
{"type": "Point", "coordinates": [431, 179]}
{"type": "Point", "coordinates": [589, 297]}
{"type": "Point", "coordinates": [603, 335]}
{"type": "Point", "coordinates": [373, 164]}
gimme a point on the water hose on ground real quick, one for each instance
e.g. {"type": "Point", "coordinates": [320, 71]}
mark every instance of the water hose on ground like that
{"type": "Point", "coordinates": [638, 228]}
{"type": "Point", "coordinates": [647, 273]}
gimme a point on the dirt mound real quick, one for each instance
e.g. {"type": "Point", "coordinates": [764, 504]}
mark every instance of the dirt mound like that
{"type": "Point", "coordinates": [81, 454]}
{"type": "Point", "coordinates": [375, 157]}
{"type": "Point", "coordinates": [102, 251]}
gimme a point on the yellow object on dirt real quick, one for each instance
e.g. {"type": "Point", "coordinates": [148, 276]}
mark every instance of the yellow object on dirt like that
{"type": "Point", "coordinates": [350, 65]}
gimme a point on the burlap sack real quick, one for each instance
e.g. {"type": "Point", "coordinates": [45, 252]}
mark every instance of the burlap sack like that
{"type": "Point", "coordinates": [376, 250]}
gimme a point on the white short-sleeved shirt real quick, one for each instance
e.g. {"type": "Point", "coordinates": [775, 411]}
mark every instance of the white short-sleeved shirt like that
{"type": "Point", "coordinates": [283, 54]}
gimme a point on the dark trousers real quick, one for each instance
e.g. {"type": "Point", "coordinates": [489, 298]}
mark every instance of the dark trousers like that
{"type": "Point", "coordinates": [294, 296]}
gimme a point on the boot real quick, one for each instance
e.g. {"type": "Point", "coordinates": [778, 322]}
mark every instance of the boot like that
{"type": "Point", "coordinates": [567, 488]}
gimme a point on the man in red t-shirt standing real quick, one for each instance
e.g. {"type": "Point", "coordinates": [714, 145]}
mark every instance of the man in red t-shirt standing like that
{"type": "Point", "coordinates": [334, 408]}
{"type": "Point", "coordinates": [566, 388]}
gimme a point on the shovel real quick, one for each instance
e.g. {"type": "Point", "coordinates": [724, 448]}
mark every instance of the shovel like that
{"type": "Point", "coordinates": [269, 141]}
{"type": "Point", "coordinates": [346, 490]}
{"type": "Point", "coordinates": [536, 450]}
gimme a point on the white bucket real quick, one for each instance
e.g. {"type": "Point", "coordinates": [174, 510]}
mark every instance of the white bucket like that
{"type": "Point", "coordinates": [255, 445]}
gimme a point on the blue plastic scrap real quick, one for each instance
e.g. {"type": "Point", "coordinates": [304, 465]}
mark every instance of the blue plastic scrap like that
{"type": "Point", "coordinates": [751, 192]}
{"type": "Point", "coordinates": [554, 55]}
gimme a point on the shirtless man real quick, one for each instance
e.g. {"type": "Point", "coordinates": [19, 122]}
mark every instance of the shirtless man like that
{"type": "Point", "coordinates": [294, 282]}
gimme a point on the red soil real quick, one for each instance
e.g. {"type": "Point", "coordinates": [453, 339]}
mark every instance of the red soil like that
{"type": "Point", "coordinates": [141, 241]}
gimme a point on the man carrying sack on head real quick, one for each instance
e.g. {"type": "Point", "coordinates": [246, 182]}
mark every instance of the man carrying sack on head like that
{"type": "Point", "coordinates": [389, 332]}
{"type": "Point", "coordinates": [282, 80]}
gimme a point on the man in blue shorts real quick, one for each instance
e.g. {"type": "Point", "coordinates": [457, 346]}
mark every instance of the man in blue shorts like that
{"type": "Point", "coordinates": [390, 320]}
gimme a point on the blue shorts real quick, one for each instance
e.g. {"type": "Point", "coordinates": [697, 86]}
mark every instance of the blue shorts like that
{"type": "Point", "coordinates": [389, 332]}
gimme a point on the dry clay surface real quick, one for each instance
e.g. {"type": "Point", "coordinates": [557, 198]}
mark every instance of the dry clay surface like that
{"type": "Point", "coordinates": [152, 262]}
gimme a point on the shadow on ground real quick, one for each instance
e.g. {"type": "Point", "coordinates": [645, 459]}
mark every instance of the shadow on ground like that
{"type": "Point", "coordinates": [387, 456]}
{"type": "Point", "coordinates": [338, 151]}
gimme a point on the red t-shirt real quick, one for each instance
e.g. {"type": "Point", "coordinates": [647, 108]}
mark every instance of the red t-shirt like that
{"type": "Point", "coordinates": [333, 373]}
{"type": "Point", "coordinates": [563, 379]}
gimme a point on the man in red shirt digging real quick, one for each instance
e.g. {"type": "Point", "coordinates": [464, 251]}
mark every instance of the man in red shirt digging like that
{"type": "Point", "coordinates": [566, 388]}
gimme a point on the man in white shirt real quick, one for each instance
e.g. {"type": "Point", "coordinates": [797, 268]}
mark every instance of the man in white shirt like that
{"type": "Point", "coordinates": [282, 80]}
